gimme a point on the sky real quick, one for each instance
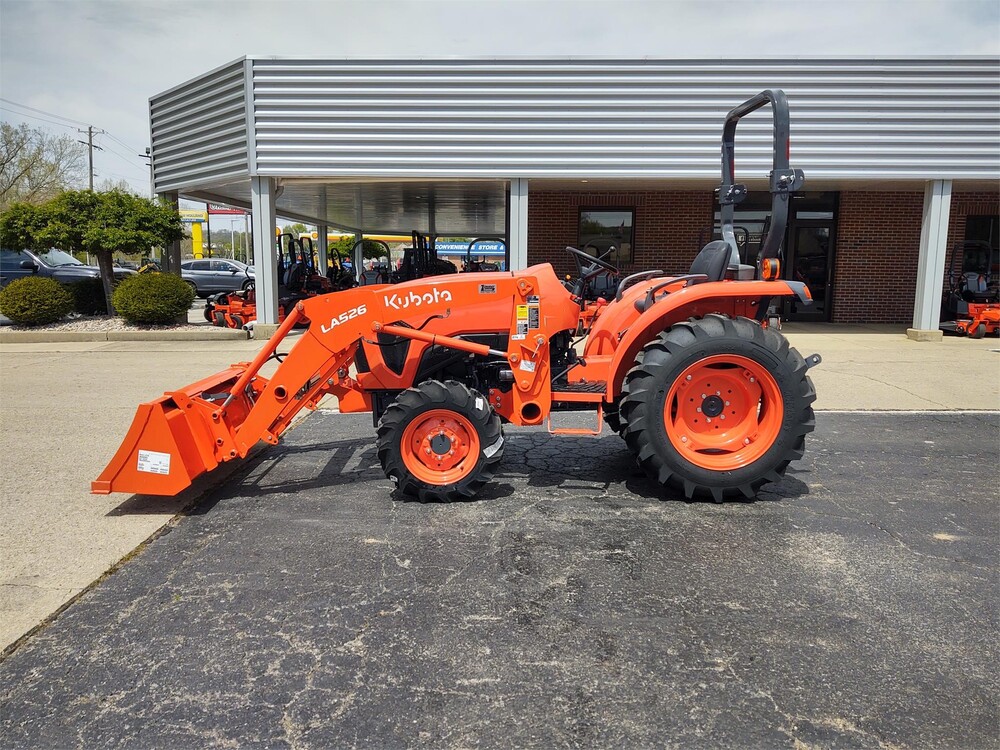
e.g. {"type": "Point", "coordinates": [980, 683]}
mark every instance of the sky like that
{"type": "Point", "coordinates": [66, 65]}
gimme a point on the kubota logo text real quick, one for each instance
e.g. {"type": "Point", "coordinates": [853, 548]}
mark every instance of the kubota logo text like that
{"type": "Point", "coordinates": [413, 299]}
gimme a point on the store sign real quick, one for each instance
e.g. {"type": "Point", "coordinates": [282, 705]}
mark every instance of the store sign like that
{"type": "Point", "coordinates": [485, 247]}
{"type": "Point", "coordinates": [192, 216]}
{"type": "Point", "coordinates": [217, 208]}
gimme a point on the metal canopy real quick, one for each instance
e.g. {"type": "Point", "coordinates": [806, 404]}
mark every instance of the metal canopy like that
{"type": "Point", "coordinates": [450, 208]}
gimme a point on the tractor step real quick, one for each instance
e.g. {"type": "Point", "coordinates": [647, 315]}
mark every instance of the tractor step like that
{"type": "Point", "coordinates": [578, 430]}
{"type": "Point", "coordinates": [591, 392]}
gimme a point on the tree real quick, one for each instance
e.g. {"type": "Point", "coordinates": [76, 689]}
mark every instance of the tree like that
{"type": "Point", "coordinates": [371, 250]}
{"type": "Point", "coordinates": [97, 223]}
{"type": "Point", "coordinates": [36, 165]}
{"type": "Point", "coordinates": [295, 229]}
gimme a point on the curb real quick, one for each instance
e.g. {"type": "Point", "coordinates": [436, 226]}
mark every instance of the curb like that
{"type": "Point", "coordinates": [50, 337]}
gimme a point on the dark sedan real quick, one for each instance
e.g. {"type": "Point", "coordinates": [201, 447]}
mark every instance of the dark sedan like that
{"type": "Point", "coordinates": [55, 264]}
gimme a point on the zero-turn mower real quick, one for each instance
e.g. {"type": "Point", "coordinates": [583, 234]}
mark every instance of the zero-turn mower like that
{"type": "Point", "coordinates": [972, 305]}
{"type": "Point", "coordinates": [710, 400]}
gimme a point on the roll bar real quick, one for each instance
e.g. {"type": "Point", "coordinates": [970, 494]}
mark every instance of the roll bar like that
{"type": "Point", "coordinates": [783, 180]}
{"type": "Point", "coordinates": [486, 238]}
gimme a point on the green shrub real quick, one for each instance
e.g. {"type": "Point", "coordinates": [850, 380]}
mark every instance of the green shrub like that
{"type": "Point", "coordinates": [88, 297]}
{"type": "Point", "coordinates": [152, 298]}
{"type": "Point", "coordinates": [35, 301]}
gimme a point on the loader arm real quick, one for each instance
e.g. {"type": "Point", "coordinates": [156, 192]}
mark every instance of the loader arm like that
{"type": "Point", "coordinates": [190, 431]}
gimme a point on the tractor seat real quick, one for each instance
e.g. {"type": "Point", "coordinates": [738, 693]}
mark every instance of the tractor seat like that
{"type": "Point", "coordinates": [712, 261]}
{"type": "Point", "coordinates": [709, 265]}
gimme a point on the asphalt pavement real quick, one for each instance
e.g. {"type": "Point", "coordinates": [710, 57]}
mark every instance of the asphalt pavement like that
{"type": "Point", "coordinates": [303, 604]}
{"type": "Point", "coordinates": [879, 548]}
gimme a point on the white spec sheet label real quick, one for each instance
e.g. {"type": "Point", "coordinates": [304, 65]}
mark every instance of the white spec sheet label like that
{"type": "Point", "coordinates": [154, 463]}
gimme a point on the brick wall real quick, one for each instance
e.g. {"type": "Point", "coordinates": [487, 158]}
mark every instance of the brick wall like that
{"type": "Point", "coordinates": [875, 266]}
{"type": "Point", "coordinates": [877, 242]}
{"type": "Point", "coordinates": [878, 248]}
{"type": "Point", "coordinates": [668, 226]}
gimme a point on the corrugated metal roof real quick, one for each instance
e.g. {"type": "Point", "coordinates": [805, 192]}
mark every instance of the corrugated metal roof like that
{"type": "Point", "coordinates": [857, 119]}
{"type": "Point", "coordinates": [881, 119]}
{"type": "Point", "coordinates": [199, 131]}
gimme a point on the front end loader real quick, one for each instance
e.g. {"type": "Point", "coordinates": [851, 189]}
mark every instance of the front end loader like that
{"type": "Point", "coordinates": [711, 401]}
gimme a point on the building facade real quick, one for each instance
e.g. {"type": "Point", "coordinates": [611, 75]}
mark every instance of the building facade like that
{"type": "Point", "coordinates": [901, 156]}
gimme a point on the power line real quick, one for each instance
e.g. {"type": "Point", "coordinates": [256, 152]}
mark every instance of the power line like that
{"type": "Point", "coordinates": [127, 157]}
{"type": "Point", "coordinates": [67, 119]}
{"type": "Point", "coordinates": [120, 141]}
{"type": "Point", "coordinates": [36, 117]}
{"type": "Point", "coordinates": [43, 112]}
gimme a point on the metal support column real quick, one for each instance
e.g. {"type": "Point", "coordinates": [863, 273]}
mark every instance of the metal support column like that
{"type": "Point", "coordinates": [930, 266]}
{"type": "Point", "coordinates": [172, 252]}
{"type": "Point", "coordinates": [322, 254]}
{"type": "Point", "coordinates": [518, 229]}
{"type": "Point", "coordinates": [265, 262]}
{"type": "Point", "coordinates": [359, 255]}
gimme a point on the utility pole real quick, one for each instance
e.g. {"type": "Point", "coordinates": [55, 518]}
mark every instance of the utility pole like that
{"type": "Point", "coordinates": [89, 143]}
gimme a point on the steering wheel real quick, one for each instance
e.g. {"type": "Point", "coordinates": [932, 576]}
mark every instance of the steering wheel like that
{"type": "Point", "coordinates": [585, 259]}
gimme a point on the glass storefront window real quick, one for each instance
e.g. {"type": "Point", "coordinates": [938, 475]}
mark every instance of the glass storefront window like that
{"type": "Point", "coordinates": [608, 233]}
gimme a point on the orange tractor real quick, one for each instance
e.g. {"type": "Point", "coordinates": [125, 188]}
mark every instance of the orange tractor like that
{"type": "Point", "coordinates": [299, 277]}
{"type": "Point", "coordinates": [710, 400]}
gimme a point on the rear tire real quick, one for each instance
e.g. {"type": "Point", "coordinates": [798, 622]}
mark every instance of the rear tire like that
{"type": "Point", "coordinates": [717, 407]}
{"type": "Point", "coordinates": [440, 441]}
{"type": "Point", "coordinates": [612, 416]}
{"type": "Point", "coordinates": [979, 332]}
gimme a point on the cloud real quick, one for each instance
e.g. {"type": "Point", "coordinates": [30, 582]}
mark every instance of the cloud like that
{"type": "Point", "coordinates": [99, 62]}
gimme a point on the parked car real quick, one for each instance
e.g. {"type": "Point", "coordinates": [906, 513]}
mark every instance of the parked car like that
{"type": "Point", "coordinates": [216, 275]}
{"type": "Point", "coordinates": [56, 264]}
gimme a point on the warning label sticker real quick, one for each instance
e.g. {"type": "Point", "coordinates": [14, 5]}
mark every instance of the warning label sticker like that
{"type": "Point", "coordinates": [533, 316]}
{"type": "Point", "coordinates": [522, 320]}
{"type": "Point", "coordinates": [534, 299]}
{"type": "Point", "coordinates": [152, 462]}
{"type": "Point", "coordinates": [527, 365]}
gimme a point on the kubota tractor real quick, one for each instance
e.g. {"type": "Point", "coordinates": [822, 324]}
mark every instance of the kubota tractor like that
{"type": "Point", "coordinates": [710, 400]}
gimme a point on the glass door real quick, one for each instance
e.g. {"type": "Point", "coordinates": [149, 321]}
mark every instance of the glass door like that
{"type": "Point", "coordinates": [810, 259]}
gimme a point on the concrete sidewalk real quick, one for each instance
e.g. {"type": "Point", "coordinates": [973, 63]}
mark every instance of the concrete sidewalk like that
{"type": "Point", "coordinates": [66, 407]}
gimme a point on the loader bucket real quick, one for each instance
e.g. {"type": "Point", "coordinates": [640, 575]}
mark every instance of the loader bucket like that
{"type": "Point", "coordinates": [174, 439]}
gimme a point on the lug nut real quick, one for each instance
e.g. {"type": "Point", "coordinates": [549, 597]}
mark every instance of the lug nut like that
{"type": "Point", "coordinates": [746, 441]}
{"type": "Point", "coordinates": [688, 377]}
{"type": "Point", "coordinates": [684, 439]}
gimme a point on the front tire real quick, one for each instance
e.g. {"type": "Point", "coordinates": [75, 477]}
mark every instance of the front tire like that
{"type": "Point", "coordinates": [440, 441]}
{"type": "Point", "coordinates": [717, 407]}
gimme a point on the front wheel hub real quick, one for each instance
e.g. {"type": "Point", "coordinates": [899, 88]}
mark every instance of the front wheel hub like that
{"type": "Point", "coordinates": [440, 446]}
